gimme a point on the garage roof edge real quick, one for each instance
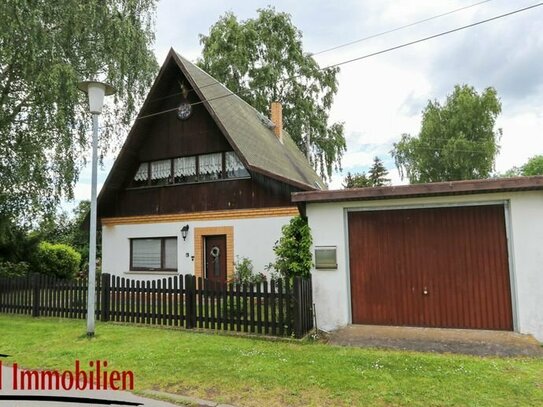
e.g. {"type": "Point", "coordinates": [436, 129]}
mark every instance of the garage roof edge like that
{"type": "Point", "coordinates": [494, 185]}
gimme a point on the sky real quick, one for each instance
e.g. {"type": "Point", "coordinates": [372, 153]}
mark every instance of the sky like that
{"type": "Point", "coordinates": [382, 97]}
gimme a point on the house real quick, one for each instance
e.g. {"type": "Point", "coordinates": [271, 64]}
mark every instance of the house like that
{"type": "Point", "coordinates": [464, 254]}
{"type": "Point", "coordinates": [202, 179]}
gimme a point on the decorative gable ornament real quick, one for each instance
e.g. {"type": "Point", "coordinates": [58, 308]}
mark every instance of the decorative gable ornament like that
{"type": "Point", "coordinates": [184, 111]}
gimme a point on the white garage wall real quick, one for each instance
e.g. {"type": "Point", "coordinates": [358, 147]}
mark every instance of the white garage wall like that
{"type": "Point", "coordinates": [253, 238]}
{"type": "Point", "coordinates": [331, 289]}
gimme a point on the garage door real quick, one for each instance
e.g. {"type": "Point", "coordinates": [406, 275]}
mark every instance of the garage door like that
{"type": "Point", "coordinates": [432, 267]}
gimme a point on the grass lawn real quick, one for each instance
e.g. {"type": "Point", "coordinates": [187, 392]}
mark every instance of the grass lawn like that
{"type": "Point", "coordinates": [256, 372]}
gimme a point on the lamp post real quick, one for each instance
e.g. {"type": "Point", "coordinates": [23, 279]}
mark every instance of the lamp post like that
{"type": "Point", "coordinates": [96, 92]}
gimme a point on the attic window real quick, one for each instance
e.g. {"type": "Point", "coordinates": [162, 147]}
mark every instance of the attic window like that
{"type": "Point", "coordinates": [142, 175]}
{"type": "Point", "coordinates": [234, 167]}
{"type": "Point", "coordinates": [161, 172]}
{"type": "Point", "coordinates": [184, 170]}
{"type": "Point", "coordinates": [210, 166]}
{"type": "Point", "coordinates": [191, 169]}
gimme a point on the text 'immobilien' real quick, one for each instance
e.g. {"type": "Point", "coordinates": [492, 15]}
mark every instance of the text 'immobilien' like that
{"type": "Point", "coordinates": [96, 377]}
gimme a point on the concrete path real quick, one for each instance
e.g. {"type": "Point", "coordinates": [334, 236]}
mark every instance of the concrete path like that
{"type": "Point", "coordinates": [463, 341]}
{"type": "Point", "coordinates": [115, 396]}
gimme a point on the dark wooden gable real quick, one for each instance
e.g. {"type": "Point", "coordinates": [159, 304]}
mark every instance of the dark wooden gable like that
{"type": "Point", "coordinates": [167, 136]}
{"type": "Point", "coordinates": [164, 136]}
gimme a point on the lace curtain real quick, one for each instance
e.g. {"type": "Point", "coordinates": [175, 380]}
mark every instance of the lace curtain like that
{"type": "Point", "coordinates": [233, 163]}
{"type": "Point", "coordinates": [160, 169]}
{"type": "Point", "coordinates": [210, 163]}
{"type": "Point", "coordinates": [184, 166]}
{"type": "Point", "coordinates": [142, 174]}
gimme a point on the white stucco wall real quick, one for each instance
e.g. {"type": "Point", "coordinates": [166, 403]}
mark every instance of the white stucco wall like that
{"type": "Point", "coordinates": [331, 290]}
{"type": "Point", "coordinates": [253, 238]}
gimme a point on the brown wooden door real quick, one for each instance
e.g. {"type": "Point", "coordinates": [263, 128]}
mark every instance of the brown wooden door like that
{"type": "Point", "coordinates": [433, 267]}
{"type": "Point", "coordinates": [215, 258]}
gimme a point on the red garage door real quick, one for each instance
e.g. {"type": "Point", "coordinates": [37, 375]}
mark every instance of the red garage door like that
{"type": "Point", "coordinates": [433, 267]}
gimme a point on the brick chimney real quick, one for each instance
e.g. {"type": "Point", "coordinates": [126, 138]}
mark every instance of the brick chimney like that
{"type": "Point", "coordinates": [277, 119]}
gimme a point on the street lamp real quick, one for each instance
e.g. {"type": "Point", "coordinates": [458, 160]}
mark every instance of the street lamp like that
{"type": "Point", "coordinates": [96, 92]}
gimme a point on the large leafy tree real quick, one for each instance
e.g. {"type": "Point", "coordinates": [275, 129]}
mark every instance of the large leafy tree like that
{"type": "Point", "coordinates": [263, 59]}
{"type": "Point", "coordinates": [457, 140]}
{"type": "Point", "coordinates": [46, 47]}
{"type": "Point", "coordinates": [534, 166]}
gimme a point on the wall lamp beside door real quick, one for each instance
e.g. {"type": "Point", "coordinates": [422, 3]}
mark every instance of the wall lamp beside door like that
{"type": "Point", "coordinates": [184, 231]}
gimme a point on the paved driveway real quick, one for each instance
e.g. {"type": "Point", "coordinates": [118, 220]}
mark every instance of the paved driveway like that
{"type": "Point", "coordinates": [463, 341]}
{"type": "Point", "coordinates": [116, 398]}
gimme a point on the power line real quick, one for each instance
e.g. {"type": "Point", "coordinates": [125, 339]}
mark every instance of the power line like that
{"type": "Point", "coordinates": [434, 36]}
{"type": "Point", "coordinates": [394, 48]}
{"type": "Point", "coordinates": [369, 37]}
{"type": "Point", "coordinates": [360, 40]}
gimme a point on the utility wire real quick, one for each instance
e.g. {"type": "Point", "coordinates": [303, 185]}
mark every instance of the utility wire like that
{"type": "Point", "coordinates": [359, 40]}
{"type": "Point", "coordinates": [369, 37]}
{"type": "Point", "coordinates": [464, 27]}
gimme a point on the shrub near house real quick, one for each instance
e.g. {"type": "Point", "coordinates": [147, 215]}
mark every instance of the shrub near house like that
{"type": "Point", "coordinates": [57, 260]}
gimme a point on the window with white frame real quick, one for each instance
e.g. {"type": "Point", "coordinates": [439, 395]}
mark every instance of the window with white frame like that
{"type": "Point", "coordinates": [153, 254]}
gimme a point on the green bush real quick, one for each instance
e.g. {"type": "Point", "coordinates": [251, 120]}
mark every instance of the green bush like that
{"type": "Point", "coordinates": [244, 272]}
{"type": "Point", "coordinates": [59, 260]}
{"type": "Point", "coordinates": [293, 250]}
{"type": "Point", "coordinates": [9, 269]}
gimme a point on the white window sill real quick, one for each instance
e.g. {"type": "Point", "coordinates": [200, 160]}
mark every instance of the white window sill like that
{"type": "Point", "coordinates": [154, 273]}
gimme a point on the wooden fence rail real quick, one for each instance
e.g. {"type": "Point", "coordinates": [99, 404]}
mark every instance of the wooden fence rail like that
{"type": "Point", "coordinates": [278, 308]}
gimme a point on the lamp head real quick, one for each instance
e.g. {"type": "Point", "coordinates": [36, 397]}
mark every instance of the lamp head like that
{"type": "Point", "coordinates": [184, 231]}
{"type": "Point", "coordinates": [96, 92]}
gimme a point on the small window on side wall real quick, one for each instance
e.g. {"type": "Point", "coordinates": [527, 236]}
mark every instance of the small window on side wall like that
{"type": "Point", "coordinates": [153, 254]}
{"type": "Point", "coordinates": [326, 257]}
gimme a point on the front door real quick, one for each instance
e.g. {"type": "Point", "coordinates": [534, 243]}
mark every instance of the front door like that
{"type": "Point", "coordinates": [215, 258]}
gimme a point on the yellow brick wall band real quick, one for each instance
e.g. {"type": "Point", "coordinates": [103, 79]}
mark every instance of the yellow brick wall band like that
{"type": "Point", "coordinates": [210, 215]}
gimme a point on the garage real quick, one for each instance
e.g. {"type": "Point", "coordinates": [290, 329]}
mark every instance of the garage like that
{"type": "Point", "coordinates": [434, 267]}
{"type": "Point", "coordinates": [460, 254]}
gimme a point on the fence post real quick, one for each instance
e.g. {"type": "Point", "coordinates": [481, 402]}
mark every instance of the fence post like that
{"type": "Point", "coordinates": [104, 294]}
{"type": "Point", "coordinates": [190, 300]}
{"type": "Point", "coordinates": [36, 295]}
{"type": "Point", "coordinates": [297, 305]}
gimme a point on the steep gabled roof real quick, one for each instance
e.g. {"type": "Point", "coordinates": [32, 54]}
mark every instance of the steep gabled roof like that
{"type": "Point", "coordinates": [248, 134]}
{"type": "Point", "coordinates": [242, 125]}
